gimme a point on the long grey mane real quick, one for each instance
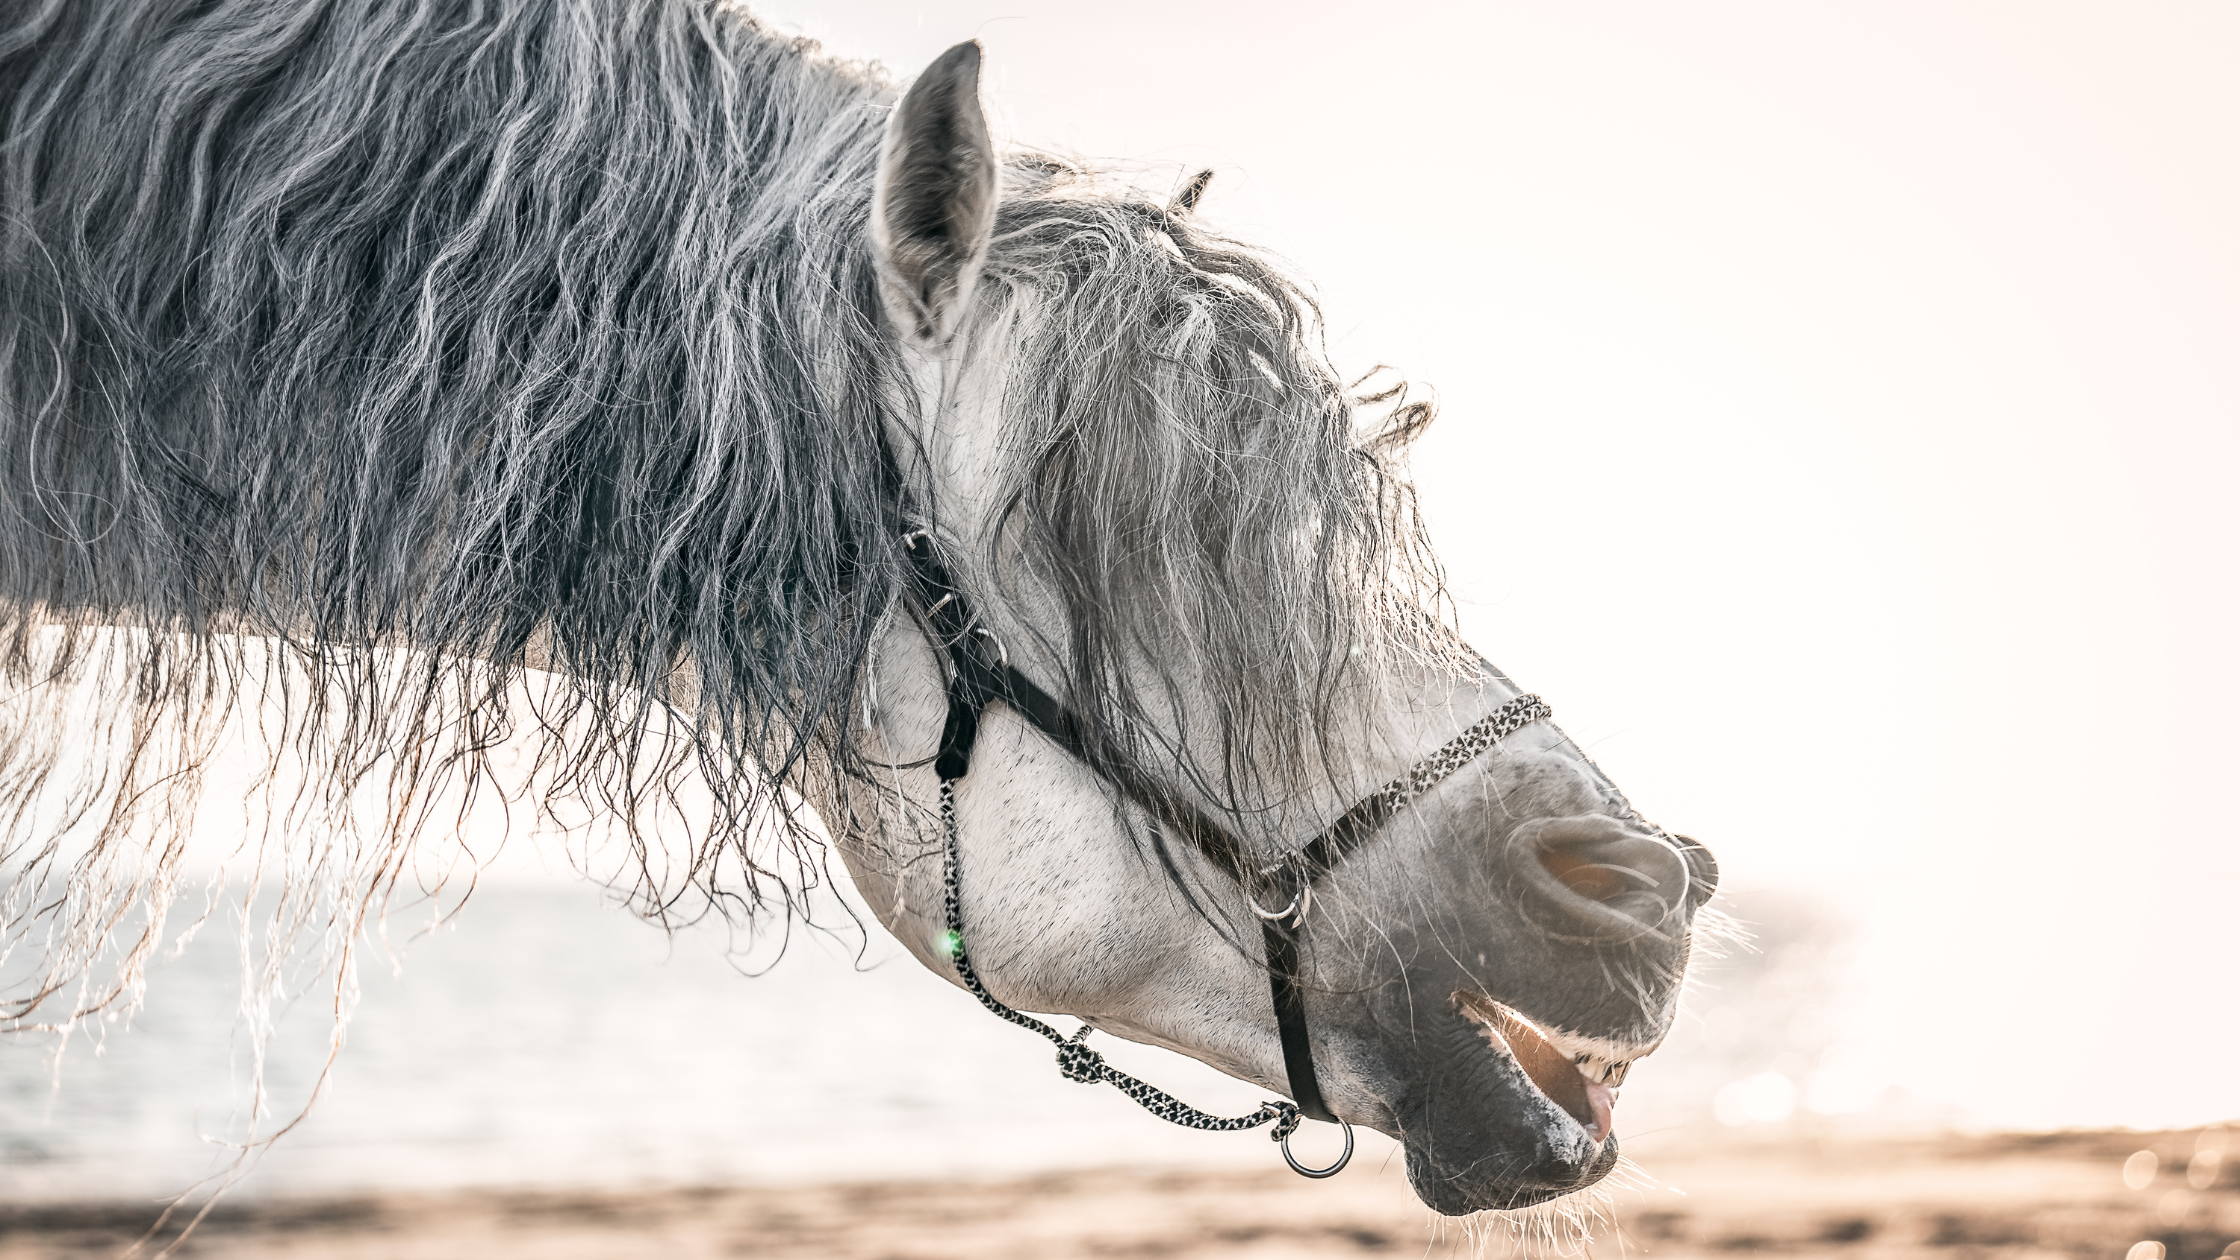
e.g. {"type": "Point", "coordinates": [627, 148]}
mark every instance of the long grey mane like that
{"type": "Point", "coordinates": [369, 362]}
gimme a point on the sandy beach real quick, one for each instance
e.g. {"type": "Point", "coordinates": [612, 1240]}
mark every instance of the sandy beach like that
{"type": "Point", "coordinates": [1869, 1198]}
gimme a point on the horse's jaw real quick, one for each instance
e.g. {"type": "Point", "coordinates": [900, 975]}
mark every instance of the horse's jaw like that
{"type": "Point", "coordinates": [1494, 1111]}
{"type": "Point", "coordinates": [1496, 1127]}
{"type": "Point", "coordinates": [1585, 1094]}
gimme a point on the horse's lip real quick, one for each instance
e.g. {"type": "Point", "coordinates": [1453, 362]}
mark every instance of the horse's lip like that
{"type": "Point", "coordinates": [1549, 1070]}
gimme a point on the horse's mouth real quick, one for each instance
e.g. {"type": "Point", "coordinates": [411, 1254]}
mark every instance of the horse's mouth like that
{"type": "Point", "coordinates": [1562, 1080]}
{"type": "Point", "coordinates": [1499, 1117]}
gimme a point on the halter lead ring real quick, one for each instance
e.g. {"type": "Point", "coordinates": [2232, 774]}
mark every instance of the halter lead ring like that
{"type": "Point", "coordinates": [975, 681]}
{"type": "Point", "coordinates": [1284, 1143]}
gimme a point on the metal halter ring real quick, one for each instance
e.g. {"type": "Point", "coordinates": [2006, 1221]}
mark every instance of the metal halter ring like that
{"type": "Point", "coordinates": [1003, 658]}
{"type": "Point", "coordinates": [1296, 912]}
{"type": "Point", "coordinates": [1317, 1173]}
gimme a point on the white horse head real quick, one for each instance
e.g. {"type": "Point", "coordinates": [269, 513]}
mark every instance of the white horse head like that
{"type": "Point", "coordinates": [1481, 971]}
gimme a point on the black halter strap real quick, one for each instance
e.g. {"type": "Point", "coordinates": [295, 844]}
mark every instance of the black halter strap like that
{"type": "Point", "coordinates": [980, 672]}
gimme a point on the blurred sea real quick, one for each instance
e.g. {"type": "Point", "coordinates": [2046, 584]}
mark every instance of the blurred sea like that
{"type": "Point", "coordinates": [543, 1037]}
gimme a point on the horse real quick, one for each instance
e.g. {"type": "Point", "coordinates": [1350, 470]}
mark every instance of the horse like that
{"type": "Point", "coordinates": [815, 468]}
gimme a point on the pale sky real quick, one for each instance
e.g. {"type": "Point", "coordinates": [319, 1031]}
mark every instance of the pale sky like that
{"type": "Point", "coordinates": [1839, 430]}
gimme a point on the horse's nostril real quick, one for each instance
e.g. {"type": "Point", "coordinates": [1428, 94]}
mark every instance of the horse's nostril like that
{"type": "Point", "coordinates": [1601, 871]}
{"type": "Point", "coordinates": [1596, 881]}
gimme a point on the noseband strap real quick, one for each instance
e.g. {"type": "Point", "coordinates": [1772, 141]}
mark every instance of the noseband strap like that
{"type": "Point", "coordinates": [980, 672]}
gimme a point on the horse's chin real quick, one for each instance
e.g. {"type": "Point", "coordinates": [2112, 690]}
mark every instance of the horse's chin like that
{"type": "Point", "coordinates": [1448, 1193]}
{"type": "Point", "coordinates": [1505, 1122]}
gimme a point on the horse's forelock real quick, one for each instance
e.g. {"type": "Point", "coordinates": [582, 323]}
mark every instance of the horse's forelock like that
{"type": "Point", "coordinates": [1229, 550]}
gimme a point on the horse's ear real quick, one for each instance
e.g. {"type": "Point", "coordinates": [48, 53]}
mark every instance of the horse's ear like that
{"type": "Point", "coordinates": [934, 205]}
{"type": "Point", "coordinates": [1186, 201]}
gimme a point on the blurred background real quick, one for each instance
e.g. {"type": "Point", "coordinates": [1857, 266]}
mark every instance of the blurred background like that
{"type": "Point", "coordinates": [1838, 426]}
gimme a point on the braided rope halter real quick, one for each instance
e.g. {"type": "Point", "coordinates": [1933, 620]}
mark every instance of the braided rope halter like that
{"type": "Point", "coordinates": [975, 680]}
